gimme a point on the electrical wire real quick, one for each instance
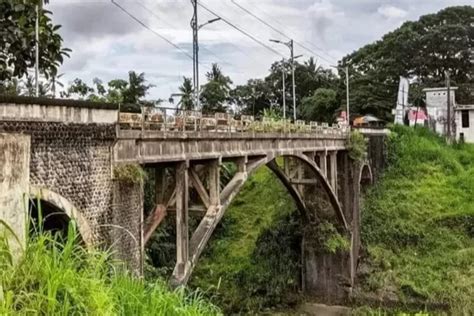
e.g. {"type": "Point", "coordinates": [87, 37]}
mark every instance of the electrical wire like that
{"type": "Point", "coordinates": [150, 11]}
{"type": "Point", "coordinates": [281, 32]}
{"type": "Point", "coordinates": [225, 20]}
{"type": "Point", "coordinates": [151, 30]}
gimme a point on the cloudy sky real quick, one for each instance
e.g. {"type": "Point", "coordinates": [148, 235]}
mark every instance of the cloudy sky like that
{"type": "Point", "coordinates": [107, 43]}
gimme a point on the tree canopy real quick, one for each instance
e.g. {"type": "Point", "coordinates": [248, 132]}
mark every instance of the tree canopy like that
{"type": "Point", "coordinates": [17, 40]}
{"type": "Point", "coordinates": [129, 92]}
{"type": "Point", "coordinates": [216, 92]}
{"type": "Point", "coordinates": [422, 51]}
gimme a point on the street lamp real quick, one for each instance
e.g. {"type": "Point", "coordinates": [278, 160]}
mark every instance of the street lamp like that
{"type": "Point", "coordinates": [346, 70]}
{"type": "Point", "coordinates": [196, 27]}
{"type": "Point", "coordinates": [290, 46]}
{"type": "Point", "coordinates": [208, 22]}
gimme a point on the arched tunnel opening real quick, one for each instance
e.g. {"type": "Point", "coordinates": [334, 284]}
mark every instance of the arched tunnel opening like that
{"type": "Point", "coordinates": [48, 218]}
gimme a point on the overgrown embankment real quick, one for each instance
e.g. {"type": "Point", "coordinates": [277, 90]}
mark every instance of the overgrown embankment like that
{"type": "Point", "coordinates": [418, 224]}
{"type": "Point", "coordinates": [56, 278]}
{"type": "Point", "coordinates": [252, 261]}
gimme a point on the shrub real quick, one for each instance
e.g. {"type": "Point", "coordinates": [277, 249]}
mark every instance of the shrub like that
{"type": "Point", "coordinates": [56, 278]}
{"type": "Point", "coordinates": [130, 173]}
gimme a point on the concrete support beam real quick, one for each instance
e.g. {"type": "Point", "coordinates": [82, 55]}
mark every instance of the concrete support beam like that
{"type": "Point", "coordinates": [199, 186]}
{"type": "Point", "coordinates": [333, 170]}
{"type": "Point", "coordinates": [14, 188]}
{"type": "Point", "coordinates": [323, 164]}
{"type": "Point", "coordinates": [214, 183]}
{"type": "Point", "coordinates": [182, 227]}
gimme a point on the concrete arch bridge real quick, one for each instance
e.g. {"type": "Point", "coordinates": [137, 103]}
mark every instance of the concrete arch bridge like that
{"type": "Point", "coordinates": [70, 151]}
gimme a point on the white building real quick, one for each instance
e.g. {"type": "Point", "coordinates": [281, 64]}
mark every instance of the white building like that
{"type": "Point", "coordinates": [437, 107]}
{"type": "Point", "coordinates": [464, 115]}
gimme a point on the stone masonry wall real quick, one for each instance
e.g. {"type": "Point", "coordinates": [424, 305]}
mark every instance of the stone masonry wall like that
{"type": "Point", "coordinates": [127, 219]}
{"type": "Point", "coordinates": [73, 160]}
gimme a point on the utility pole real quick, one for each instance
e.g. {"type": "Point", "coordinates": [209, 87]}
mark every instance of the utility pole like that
{"type": "Point", "coordinates": [448, 85]}
{"type": "Point", "coordinates": [293, 78]}
{"type": "Point", "coordinates": [37, 51]}
{"type": "Point", "coordinates": [292, 60]}
{"type": "Point", "coordinates": [347, 97]}
{"type": "Point", "coordinates": [283, 78]}
{"type": "Point", "coordinates": [194, 26]}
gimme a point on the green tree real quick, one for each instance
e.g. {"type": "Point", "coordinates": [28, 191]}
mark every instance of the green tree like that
{"type": "Point", "coordinates": [321, 106]}
{"type": "Point", "coordinates": [216, 92]}
{"type": "Point", "coordinates": [117, 91]}
{"type": "Point", "coordinates": [187, 92]}
{"type": "Point", "coordinates": [17, 40]}
{"type": "Point", "coordinates": [421, 50]}
{"type": "Point", "coordinates": [260, 94]}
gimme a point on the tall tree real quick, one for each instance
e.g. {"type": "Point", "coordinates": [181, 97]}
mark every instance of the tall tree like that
{"type": "Point", "coordinates": [216, 92]}
{"type": "Point", "coordinates": [258, 95]}
{"type": "Point", "coordinates": [17, 40]}
{"type": "Point", "coordinates": [187, 94]}
{"type": "Point", "coordinates": [117, 91]}
{"type": "Point", "coordinates": [421, 50]}
{"type": "Point", "coordinates": [321, 106]}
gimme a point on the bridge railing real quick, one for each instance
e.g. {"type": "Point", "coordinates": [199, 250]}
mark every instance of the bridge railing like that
{"type": "Point", "coordinates": [175, 120]}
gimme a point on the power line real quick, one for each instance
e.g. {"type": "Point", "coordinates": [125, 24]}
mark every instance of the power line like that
{"type": "Point", "coordinates": [149, 10]}
{"type": "Point", "coordinates": [280, 32]}
{"type": "Point", "coordinates": [151, 30]}
{"type": "Point", "coordinates": [240, 29]}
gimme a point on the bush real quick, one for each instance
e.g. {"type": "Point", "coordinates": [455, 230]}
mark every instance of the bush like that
{"type": "Point", "coordinates": [357, 146]}
{"type": "Point", "coordinates": [417, 222]}
{"type": "Point", "coordinates": [56, 278]}
{"type": "Point", "coordinates": [129, 173]}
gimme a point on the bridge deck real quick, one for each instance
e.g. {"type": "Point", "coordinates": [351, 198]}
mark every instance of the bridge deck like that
{"type": "Point", "coordinates": [158, 146]}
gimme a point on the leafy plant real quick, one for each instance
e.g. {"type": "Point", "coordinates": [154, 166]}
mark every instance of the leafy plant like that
{"type": "Point", "coordinates": [357, 146]}
{"type": "Point", "coordinates": [130, 173]}
{"type": "Point", "coordinates": [62, 278]}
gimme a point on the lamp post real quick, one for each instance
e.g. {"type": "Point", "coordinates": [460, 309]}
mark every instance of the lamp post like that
{"type": "Point", "coordinates": [196, 27]}
{"type": "Point", "coordinates": [283, 78]}
{"type": "Point", "coordinates": [346, 71]}
{"type": "Point", "coordinates": [292, 59]}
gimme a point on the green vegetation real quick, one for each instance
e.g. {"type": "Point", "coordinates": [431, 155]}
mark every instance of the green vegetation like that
{"type": "Point", "coordinates": [418, 224]}
{"type": "Point", "coordinates": [357, 146]}
{"type": "Point", "coordinates": [421, 49]}
{"type": "Point", "coordinates": [130, 173]}
{"type": "Point", "coordinates": [252, 261]}
{"type": "Point", "coordinates": [62, 278]}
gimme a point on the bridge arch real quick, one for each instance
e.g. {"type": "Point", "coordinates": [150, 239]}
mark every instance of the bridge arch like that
{"type": "Point", "coordinates": [214, 214]}
{"type": "Point", "coordinates": [62, 210]}
{"type": "Point", "coordinates": [366, 177]}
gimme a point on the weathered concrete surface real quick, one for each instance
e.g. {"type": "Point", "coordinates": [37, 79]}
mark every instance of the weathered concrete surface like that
{"type": "Point", "coordinates": [14, 183]}
{"type": "Point", "coordinates": [153, 147]}
{"type": "Point", "coordinates": [56, 113]}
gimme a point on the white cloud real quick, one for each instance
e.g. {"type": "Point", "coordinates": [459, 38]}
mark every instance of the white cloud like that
{"type": "Point", "coordinates": [107, 43]}
{"type": "Point", "coordinates": [392, 12]}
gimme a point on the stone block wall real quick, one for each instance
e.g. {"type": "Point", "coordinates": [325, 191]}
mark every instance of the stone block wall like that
{"type": "Point", "coordinates": [75, 161]}
{"type": "Point", "coordinates": [125, 232]}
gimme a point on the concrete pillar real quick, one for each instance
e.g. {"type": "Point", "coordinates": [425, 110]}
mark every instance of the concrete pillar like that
{"type": "Point", "coordinates": [333, 170]}
{"type": "Point", "coordinates": [182, 227]}
{"type": "Point", "coordinates": [214, 183]}
{"type": "Point", "coordinates": [14, 188]}
{"type": "Point", "coordinates": [323, 165]}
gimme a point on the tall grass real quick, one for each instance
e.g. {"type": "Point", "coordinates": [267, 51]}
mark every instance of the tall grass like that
{"type": "Point", "coordinates": [418, 223]}
{"type": "Point", "coordinates": [57, 276]}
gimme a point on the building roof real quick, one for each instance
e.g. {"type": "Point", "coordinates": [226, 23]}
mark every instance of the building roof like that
{"type": "Point", "coordinates": [438, 89]}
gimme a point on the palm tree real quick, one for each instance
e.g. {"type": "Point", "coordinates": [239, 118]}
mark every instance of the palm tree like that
{"type": "Point", "coordinates": [187, 92]}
